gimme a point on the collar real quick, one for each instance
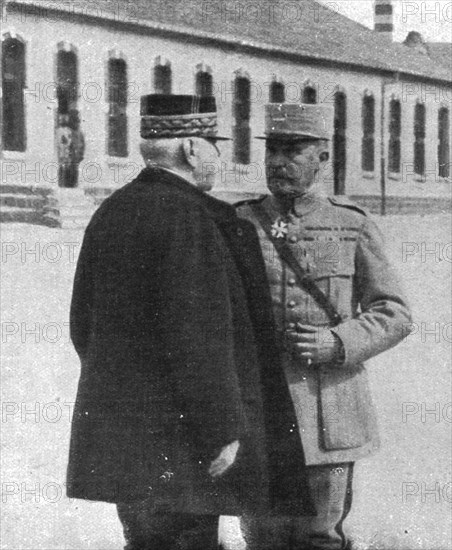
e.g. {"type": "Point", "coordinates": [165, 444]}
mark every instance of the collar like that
{"type": "Point", "coordinates": [294, 208]}
{"type": "Point", "coordinates": [173, 172]}
{"type": "Point", "coordinates": [305, 204]}
{"type": "Point", "coordinates": [216, 208]}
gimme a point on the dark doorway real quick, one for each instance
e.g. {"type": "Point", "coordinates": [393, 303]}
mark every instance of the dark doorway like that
{"type": "Point", "coordinates": [67, 119]}
{"type": "Point", "coordinates": [67, 82]}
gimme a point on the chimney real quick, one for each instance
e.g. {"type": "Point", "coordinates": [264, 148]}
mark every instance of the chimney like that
{"type": "Point", "coordinates": [414, 40]}
{"type": "Point", "coordinates": [384, 22]}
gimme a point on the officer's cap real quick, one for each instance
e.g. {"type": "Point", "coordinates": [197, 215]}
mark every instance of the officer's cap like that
{"type": "Point", "coordinates": [172, 116]}
{"type": "Point", "coordinates": [294, 121]}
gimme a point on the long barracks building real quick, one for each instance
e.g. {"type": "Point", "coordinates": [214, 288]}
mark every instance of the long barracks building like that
{"type": "Point", "coordinates": [391, 148]}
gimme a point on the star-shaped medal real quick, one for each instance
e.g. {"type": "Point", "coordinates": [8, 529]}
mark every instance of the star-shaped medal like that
{"type": "Point", "coordinates": [279, 229]}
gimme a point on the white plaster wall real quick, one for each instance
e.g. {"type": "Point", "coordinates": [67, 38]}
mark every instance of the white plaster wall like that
{"type": "Point", "coordinates": [94, 43]}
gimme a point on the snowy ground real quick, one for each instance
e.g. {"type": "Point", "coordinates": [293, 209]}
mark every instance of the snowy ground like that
{"type": "Point", "coordinates": [402, 495]}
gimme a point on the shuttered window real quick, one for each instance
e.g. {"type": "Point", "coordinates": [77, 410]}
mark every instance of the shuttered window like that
{"type": "Point", "coordinates": [340, 142]}
{"type": "Point", "coordinates": [13, 83]}
{"type": "Point", "coordinates": [368, 128]}
{"type": "Point", "coordinates": [443, 143]}
{"type": "Point", "coordinates": [309, 94]}
{"type": "Point", "coordinates": [117, 138]}
{"type": "Point", "coordinates": [242, 114]}
{"type": "Point", "coordinates": [419, 139]}
{"type": "Point", "coordinates": [395, 129]}
{"type": "Point", "coordinates": [163, 79]}
{"type": "Point", "coordinates": [204, 84]}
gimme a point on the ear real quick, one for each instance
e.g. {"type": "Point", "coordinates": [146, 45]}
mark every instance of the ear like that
{"type": "Point", "coordinates": [189, 149]}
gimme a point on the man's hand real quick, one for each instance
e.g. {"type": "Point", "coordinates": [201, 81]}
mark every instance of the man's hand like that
{"type": "Point", "coordinates": [315, 345]}
{"type": "Point", "coordinates": [224, 460]}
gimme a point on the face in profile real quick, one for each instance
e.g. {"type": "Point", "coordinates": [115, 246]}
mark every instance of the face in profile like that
{"type": "Point", "coordinates": [206, 164]}
{"type": "Point", "coordinates": [291, 166]}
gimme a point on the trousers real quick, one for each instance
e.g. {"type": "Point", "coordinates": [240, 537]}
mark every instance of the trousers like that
{"type": "Point", "coordinates": [145, 528]}
{"type": "Point", "coordinates": [331, 491]}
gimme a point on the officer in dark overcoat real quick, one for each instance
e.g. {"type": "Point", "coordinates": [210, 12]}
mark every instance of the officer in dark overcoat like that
{"type": "Point", "coordinates": [337, 303]}
{"type": "Point", "coordinates": [171, 318]}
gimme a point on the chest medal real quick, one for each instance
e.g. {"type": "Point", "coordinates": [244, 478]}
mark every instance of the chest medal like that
{"type": "Point", "coordinates": [280, 229]}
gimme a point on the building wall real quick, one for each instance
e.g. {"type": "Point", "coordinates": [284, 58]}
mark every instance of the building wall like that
{"type": "Point", "coordinates": [140, 51]}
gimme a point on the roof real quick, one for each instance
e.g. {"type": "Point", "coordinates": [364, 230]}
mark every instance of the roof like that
{"type": "Point", "coordinates": [302, 28]}
{"type": "Point", "coordinates": [441, 52]}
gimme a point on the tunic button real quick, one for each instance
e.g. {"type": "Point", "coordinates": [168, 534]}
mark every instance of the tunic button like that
{"type": "Point", "coordinates": [291, 326]}
{"type": "Point", "coordinates": [293, 239]}
{"type": "Point", "coordinates": [291, 282]}
{"type": "Point", "coordinates": [292, 304]}
{"type": "Point", "coordinates": [239, 231]}
{"type": "Point", "coordinates": [334, 270]}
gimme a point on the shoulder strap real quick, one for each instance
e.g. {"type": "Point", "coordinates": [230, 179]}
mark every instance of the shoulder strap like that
{"type": "Point", "coordinates": [287, 256]}
{"type": "Point", "coordinates": [249, 202]}
{"type": "Point", "coordinates": [345, 202]}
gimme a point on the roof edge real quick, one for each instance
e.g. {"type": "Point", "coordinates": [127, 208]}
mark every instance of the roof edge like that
{"type": "Point", "coordinates": [196, 35]}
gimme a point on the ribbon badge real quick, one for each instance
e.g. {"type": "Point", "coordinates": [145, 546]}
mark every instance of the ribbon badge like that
{"type": "Point", "coordinates": [279, 229]}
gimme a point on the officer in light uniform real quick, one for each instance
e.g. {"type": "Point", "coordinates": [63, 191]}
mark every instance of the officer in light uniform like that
{"type": "Point", "coordinates": [314, 245]}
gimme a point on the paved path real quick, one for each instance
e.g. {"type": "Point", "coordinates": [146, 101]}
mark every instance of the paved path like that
{"type": "Point", "coordinates": [403, 495]}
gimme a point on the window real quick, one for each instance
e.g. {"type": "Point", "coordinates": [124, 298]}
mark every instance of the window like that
{"type": "Point", "coordinates": [13, 82]}
{"type": "Point", "coordinates": [309, 94]}
{"type": "Point", "coordinates": [117, 144]}
{"type": "Point", "coordinates": [395, 129]}
{"type": "Point", "coordinates": [242, 113]}
{"type": "Point", "coordinates": [368, 142]}
{"type": "Point", "coordinates": [277, 92]}
{"type": "Point", "coordinates": [443, 143]}
{"type": "Point", "coordinates": [340, 142]}
{"type": "Point", "coordinates": [204, 84]}
{"type": "Point", "coordinates": [163, 79]}
{"type": "Point", "coordinates": [67, 80]}
{"type": "Point", "coordinates": [419, 139]}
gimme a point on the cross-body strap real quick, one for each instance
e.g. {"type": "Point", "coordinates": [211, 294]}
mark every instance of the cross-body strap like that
{"type": "Point", "coordinates": [288, 257]}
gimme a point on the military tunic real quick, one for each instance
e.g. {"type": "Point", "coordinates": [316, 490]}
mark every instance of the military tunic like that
{"type": "Point", "coordinates": [342, 250]}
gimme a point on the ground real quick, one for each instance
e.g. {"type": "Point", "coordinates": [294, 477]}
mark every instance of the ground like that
{"type": "Point", "coordinates": [403, 495]}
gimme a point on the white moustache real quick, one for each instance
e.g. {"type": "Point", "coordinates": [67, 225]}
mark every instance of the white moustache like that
{"type": "Point", "coordinates": [290, 171]}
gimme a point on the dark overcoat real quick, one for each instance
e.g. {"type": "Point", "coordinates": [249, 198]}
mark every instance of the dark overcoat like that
{"type": "Point", "coordinates": [171, 318]}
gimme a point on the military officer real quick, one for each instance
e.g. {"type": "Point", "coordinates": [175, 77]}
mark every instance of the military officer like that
{"type": "Point", "coordinates": [337, 303]}
{"type": "Point", "coordinates": [171, 317]}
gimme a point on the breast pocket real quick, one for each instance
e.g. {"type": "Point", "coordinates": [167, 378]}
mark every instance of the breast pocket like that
{"type": "Point", "coordinates": [333, 271]}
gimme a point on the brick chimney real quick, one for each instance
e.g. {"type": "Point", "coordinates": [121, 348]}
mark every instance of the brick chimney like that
{"type": "Point", "coordinates": [384, 21]}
